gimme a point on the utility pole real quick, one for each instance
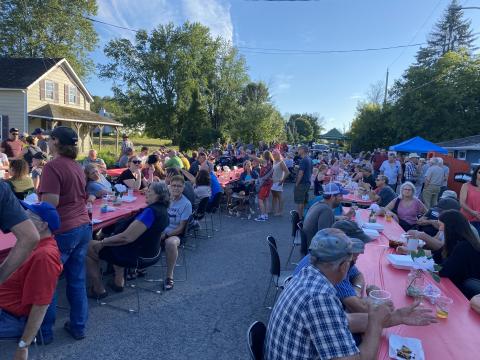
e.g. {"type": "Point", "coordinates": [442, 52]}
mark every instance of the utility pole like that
{"type": "Point", "coordinates": [386, 88]}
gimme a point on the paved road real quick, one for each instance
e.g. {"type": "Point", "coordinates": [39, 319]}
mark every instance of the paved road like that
{"type": "Point", "coordinates": [205, 317]}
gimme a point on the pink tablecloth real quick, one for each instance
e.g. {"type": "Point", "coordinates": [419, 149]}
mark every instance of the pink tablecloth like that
{"type": "Point", "coordinates": [351, 198]}
{"type": "Point", "coordinates": [115, 172]}
{"type": "Point", "coordinates": [225, 178]}
{"type": "Point", "coordinates": [452, 338]}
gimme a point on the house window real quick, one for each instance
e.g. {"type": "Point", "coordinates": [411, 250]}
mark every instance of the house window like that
{"type": "Point", "coordinates": [462, 155]}
{"type": "Point", "coordinates": [72, 94]}
{"type": "Point", "coordinates": [49, 89]}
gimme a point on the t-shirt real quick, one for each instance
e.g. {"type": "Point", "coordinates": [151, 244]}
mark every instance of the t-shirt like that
{"type": "Point", "coordinates": [319, 216]}
{"type": "Point", "coordinates": [22, 185]}
{"type": "Point", "coordinates": [99, 162]}
{"type": "Point", "coordinates": [123, 161]}
{"type": "Point", "coordinates": [43, 145]}
{"type": "Point", "coordinates": [96, 188]}
{"type": "Point", "coordinates": [391, 171]}
{"type": "Point", "coordinates": [370, 180]}
{"type": "Point", "coordinates": [34, 282]}
{"type": "Point", "coordinates": [461, 264]}
{"type": "Point", "coordinates": [127, 175]}
{"type": "Point", "coordinates": [409, 214]}
{"type": "Point", "coordinates": [11, 212]}
{"type": "Point", "coordinates": [65, 177]}
{"type": "Point", "coordinates": [28, 156]}
{"type": "Point", "coordinates": [201, 192]}
{"type": "Point", "coordinates": [378, 160]}
{"type": "Point", "coordinates": [434, 175]}
{"type": "Point", "coordinates": [13, 148]}
{"type": "Point", "coordinates": [147, 217]}
{"type": "Point", "coordinates": [178, 211]}
{"type": "Point", "coordinates": [306, 166]}
{"type": "Point", "coordinates": [386, 195]}
{"type": "Point", "coordinates": [214, 185]}
{"type": "Point", "coordinates": [175, 162]}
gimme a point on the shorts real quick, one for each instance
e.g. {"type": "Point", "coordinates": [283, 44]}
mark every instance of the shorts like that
{"type": "Point", "coordinates": [300, 194]}
{"type": "Point", "coordinates": [124, 256]}
{"type": "Point", "coordinates": [264, 192]}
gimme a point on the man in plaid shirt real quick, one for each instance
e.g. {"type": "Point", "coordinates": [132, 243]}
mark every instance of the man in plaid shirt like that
{"type": "Point", "coordinates": [308, 321]}
{"type": "Point", "coordinates": [411, 170]}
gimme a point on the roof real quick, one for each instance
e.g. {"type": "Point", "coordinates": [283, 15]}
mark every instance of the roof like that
{"type": "Point", "coordinates": [469, 142]}
{"type": "Point", "coordinates": [18, 73]}
{"type": "Point", "coordinates": [333, 134]}
{"type": "Point", "coordinates": [63, 113]}
{"type": "Point", "coordinates": [419, 145]}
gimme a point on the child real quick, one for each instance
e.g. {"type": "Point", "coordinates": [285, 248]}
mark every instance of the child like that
{"type": "Point", "coordinates": [38, 161]}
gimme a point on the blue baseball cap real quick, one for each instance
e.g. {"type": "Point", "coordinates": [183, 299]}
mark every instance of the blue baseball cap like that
{"type": "Point", "coordinates": [46, 212]}
{"type": "Point", "coordinates": [330, 244]}
{"type": "Point", "coordinates": [334, 189]}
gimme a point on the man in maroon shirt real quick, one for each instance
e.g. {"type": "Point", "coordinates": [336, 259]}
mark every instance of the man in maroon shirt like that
{"type": "Point", "coordinates": [378, 158]}
{"type": "Point", "coordinates": [63, 186]}
{"type": "Point", "coordinates": [13, 146]}
{"type": "Point", "coordinates": [25, 296]}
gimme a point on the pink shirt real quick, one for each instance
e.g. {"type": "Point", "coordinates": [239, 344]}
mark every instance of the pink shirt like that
{"type": "Point", "coordinates": [409, 214]}
{"type": "Point", "coordinates": [473, 201]}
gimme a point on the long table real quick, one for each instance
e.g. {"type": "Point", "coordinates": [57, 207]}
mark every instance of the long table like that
{"type": "Point", "coordinates": [452, 338]}
{"type": "Point", "coordinates": [225, 178]}
{"type": "Point", "coordinates": [7, 241]}
{"type": "Point", "coordinates": [349, 198]}
{"type": "Point", "coordinates": [115, 172]}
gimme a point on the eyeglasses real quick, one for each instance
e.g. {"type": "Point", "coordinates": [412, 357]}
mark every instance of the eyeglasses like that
{"type": "Point", "coordinates": [176, 185]}
{"type": "Point", "coordinates": [137, 162]}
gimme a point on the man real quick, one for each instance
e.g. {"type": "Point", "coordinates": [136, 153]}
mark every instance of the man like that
{"type": "Point", "coordinates": [321, 215]}
{"type": "Point", "coordinates": [93, 159]}
{"type": "Point", "coordinates": [302, 183]}
{"type": "Point", "coordinates": [368, 177]}
{"type": "Point", "coordinates": [195, 165]}
{"type": "Point", "coordinates": [126, 144]}
{"type": "Point", "coordinates": [308, 321]}
{"type": "Point", "coordinates": [179, 212]}
{"type": "Point", "coordinates": [378, 158]}
{"type": "Point", "coordinates": [411, 168]}
{"type": "Point", "coordinates": [124, 159]}
{"type": "Point", "coordinates": [63, 185]}
{"type": "Point", "coordinates": [188, 190]}
{"type": "Point", "coordinates": [13, 218]}
{"type": "Point", "coordinates": [25, 296]}
{"type": "Point", "coordinates": [392, 169]}
{"type": "Point", "coordinates": [174, 160]}
{"type": "Point", "coordinates": [433, 182]}
{"type": "Point", "coordinates": [446, 173]}
{"type": "Point", "coordinates": [143, 154]}
{"type": "Point", "coordinates": [13, 146]}
{"type": "Point", "coordinates": [422, 168]}
{"type": "Point", "coordinates": [349, 290]}
{"type": "Point", "coordinates": [383, 193]}
{"type": "Point", "coordinates": [42, 141]}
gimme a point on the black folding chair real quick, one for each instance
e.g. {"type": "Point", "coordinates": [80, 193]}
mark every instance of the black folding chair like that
{"type": "Point", "coordinates": [198, 215]}
{"type": "Point", "coordinates": [295, 218]}
{"type": "Point", "coordinates": [303, 240]}
{"type": "Point", "coordinates": [255, 340]}
{"type": "Point", "coordinates": [214, 207]}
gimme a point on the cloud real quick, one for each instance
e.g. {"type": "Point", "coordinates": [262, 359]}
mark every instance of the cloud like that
{"type": "Point", "coordinates": [282, 82]}
{"type": "Point", "coordinates": [356, 96]}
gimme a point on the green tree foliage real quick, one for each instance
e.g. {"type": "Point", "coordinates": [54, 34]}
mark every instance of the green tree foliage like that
{"type": "Point", "coordinates": [49, 28]}
{"type": "Point", "coordinates": [305, 127]}
{"type": "Point", "coordinates": [109, 104]}
{"type": "Point", "coordinates": [155, 78]}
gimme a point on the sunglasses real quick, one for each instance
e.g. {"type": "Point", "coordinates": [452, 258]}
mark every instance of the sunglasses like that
{"type": "Point", "coordinates": [137, 162]}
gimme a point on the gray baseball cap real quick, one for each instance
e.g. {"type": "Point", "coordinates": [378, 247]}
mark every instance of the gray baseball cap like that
{"type": "Point", "coordinates": [352, 230]}
{"type": "Point", "coordinates": [330, 244]}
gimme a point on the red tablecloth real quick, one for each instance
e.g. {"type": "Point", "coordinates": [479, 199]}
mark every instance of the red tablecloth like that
{"type": "Point", "coordinates": [452, 338]}
{"type": "Point", "coordinates": [351, 197]}
{"type": "Point", "coordinates": [225, 178]}
{"type": "Point", "coordinates": [7, 241]}
{"type": "Point", "coordinates": [115, 172]}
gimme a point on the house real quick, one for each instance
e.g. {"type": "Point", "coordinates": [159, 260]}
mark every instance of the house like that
{"type": "Point", "coordinates": [46, 92]}
{"type": "Point", "coordinates": [467, 148]}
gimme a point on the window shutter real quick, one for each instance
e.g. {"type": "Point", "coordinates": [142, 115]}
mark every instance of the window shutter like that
{"type": "Point", "coordinates": [55, 92]}
{"type": "Point", "coordinates": [65, 94]}
{"type": "Point", "coordinates": [42, 89]}
{"type": "Point", "coordinates": [77, 98]}
{"type": "Point", "coordinates": [5, 126]}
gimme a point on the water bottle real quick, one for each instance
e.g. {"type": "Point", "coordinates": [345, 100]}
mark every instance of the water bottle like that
{"type": "Point", "coordinates": [90, 211]}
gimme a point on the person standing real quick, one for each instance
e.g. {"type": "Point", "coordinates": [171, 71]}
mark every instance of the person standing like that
{"type": "Point", "coordinates": [265, 182]}
{"type": "Point", "coordinates": [30, 150]}
{"type": "Point", "coordinates": [63, 185]}
{"type": "Point", "coordinates": [391, 168]}
{"type": "Point", "coordinates": [42, 142]}
{"type": "Point", "coordinates": [411, 168]}
{"type": "Point", "coordinates": [302, 183]}
{"type": "Point", "coordinates": [433, 182]}
{"type": "Point", "coordinates": [422, 168]}
{"type": "Point", "coordinates": [13, 146]}
{"type": "Point", "coordinates": [280, 174]}
{"type": "Point", "coordinates": [470, 199]}
{"type": "Point", "coordinates": [446, 173]}
{"type": "Point", "coordinates": [378, 158]}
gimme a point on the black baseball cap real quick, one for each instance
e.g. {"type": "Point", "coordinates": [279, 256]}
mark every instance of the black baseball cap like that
{"type": "Point", "coordinates": [39, 155]}
{"type": "Point", "coordinates": [64, 134]}
{"type": "Point", "coordinates": [38, 131]}
{"type": "Point", "coordinates": [12, 130]}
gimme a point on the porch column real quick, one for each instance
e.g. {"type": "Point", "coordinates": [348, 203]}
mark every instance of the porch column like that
{"type": "Point", "coordinates": [54, 124]}
{"type": "Point", "coordinates": [78, 126]}
{"type": "Point", "coordinates": [100, 135]}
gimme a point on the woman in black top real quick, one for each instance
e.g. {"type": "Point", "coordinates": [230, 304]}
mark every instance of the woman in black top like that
{"type": "Point", "coordinates": [133, 178]}
{"type": "Point", "coordinates": [460, 255]}
{"type": "Point", "coordinates": [141, 238]}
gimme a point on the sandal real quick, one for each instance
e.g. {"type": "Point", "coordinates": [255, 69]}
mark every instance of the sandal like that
{"type": "Point", "coordinates": [111, 284]}
{"type": "Point", "coordinates": [93, 295]}
{"type": "Point", "coordinates": [168, 285]}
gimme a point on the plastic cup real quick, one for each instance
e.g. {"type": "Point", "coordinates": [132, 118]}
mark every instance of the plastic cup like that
{"type": "Point", "coordinates": [443, 304]}
{"type": "Point", "coordinates": [412, 244]}
{"type": "Point", "coordinates": [130, 193]}
{"type": "Point", "coordinates": [378, 297]}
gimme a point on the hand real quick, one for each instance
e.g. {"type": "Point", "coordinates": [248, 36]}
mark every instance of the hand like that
{"type": "Point", "coordinates": [422, 221]}
{"type": "Point", "coordinates": [413, 315]}
{"type": "Point", "coordinates": [21, 354]}
{"type": "Point", "coordinates": [380, 314]}
{"type": "Point", "coordinates": [402, 250]}
{"type": "Point", "coordinates": [371, 288]}
{"type": "Point", "coordinates": [477, 214]}
{"type": "Point", "coordinates": [415, 233]}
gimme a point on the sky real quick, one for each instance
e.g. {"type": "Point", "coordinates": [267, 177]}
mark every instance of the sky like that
{"type": "Point", "coordinates": [330, 85]}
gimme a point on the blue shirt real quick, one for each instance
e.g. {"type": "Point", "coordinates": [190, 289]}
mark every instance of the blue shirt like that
{"type": "Point", "coordinates": [147, 217]}
{"type": "Point", "coordinates": [215, 185]}
{"type": "Point", "coordinates": [306, 166]}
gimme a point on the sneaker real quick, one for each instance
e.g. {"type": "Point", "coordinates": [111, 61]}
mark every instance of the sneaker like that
{"type": "Point", "coordinates": [73, 333]}
{"type": "Point", "coordinates": [261, 218]}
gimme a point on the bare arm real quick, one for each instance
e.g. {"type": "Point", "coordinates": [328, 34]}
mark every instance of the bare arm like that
{"type": "Point", "coordinates": [286, 172]}
{"type": "Point", "coordinates": [27, 239]}
{"type": "Point", "coordinates": [188, 176]}
{"type": "Point", "coordinates": [433, 243]}
{"type": "Point", "coordinates": [178, 230]}
{"type": "Point", "coordinates": [463, 201]}
{"type": "Point", "coordinates": [133, 183]}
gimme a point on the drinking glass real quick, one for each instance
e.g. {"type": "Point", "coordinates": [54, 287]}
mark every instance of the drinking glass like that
{"type": "Point", "coordinates": [443, 304]}
{"type": "Point", "coordinates": [130, 193]}
{"type": "Point", "coordinates": [378, 297]}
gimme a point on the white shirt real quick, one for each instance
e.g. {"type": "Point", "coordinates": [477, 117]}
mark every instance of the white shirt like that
{"type": "Point", "coordinates": [3, 162]}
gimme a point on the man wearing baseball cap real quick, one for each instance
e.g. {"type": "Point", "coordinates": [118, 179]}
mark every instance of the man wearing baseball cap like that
{"type": "Point", "coordinates": [411, 172]}
{"type": "Point", "coordinates": [13, 145]}
{"type": "Point", "coordinates": [321, 214]}
{"type": "Point", "coordinates": [42, 141]}
{"type": "Point", "coordinates": [27, 293]}
{"type": "Point", "coordinates": [308, 320]}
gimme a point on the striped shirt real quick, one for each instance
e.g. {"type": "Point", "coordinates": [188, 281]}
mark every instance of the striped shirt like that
{"type": "Point", "coordinates": [345, 288]}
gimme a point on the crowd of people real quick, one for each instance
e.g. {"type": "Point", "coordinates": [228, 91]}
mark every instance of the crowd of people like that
{"type": "Point", "coordinates": [324, 303]}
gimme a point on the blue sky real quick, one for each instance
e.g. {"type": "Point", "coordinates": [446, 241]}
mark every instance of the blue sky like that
{"type": "Point", "coordinates": [327, 84]}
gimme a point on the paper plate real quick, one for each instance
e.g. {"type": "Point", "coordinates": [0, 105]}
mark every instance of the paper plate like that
{"type": "Point", "coordinates": [402, 262]}
{"type": "Point", "coordinates": [374, 226]}
{"type": "Point", "coordinates": [396, 342]}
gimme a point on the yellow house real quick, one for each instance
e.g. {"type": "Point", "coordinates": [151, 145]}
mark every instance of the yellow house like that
{"type": "Point", "coordinates": [45, 93]}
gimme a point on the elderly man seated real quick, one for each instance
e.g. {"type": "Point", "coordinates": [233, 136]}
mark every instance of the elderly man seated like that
{"type": "Point", "coordinates": [93, 159]}
{"type": "Point", "coordinates": [27, 293]}
{"type": "Point", "coordinates": [308, 320]}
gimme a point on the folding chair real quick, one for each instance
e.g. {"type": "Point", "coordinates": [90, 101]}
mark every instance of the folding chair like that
{"type": "Point", "coordinates": [295, 218]}
{"type": "Point", "coordinates": [199, 215]}
{"type": "Point", "coordinates": [214, 207]}
{"type": "Point", "coordinates": [278, 278]}
{"type": "Point", "coordinates": [255, 340]}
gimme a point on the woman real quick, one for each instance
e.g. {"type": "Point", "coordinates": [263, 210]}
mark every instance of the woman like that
{"type": "Point", "coordinates": [132, 177]}
{"type": "Point", "coordinates": [153, 170]}
{"type": "Point", "coordinates": [265, 182]}
{"type": "Point", "coordinates": [140, 238]}
{"type": "Point", "coordinates": [4, 164]}
{"type": "Point", "coordinates": [357, 173]}
{"type": "Point", "coordinates": [320, 179]}
{"type": "Point", "coordinates": [123, 161]}
{"type": "Point", "coordinates": [30, 150]}
{"type": "Point", "coordinates": [470, 199]}
{"type": "Point", "coordinates": [96, 186]}
{"type": "Point", "coordinates": [39, 160]}
{"type": "Point", "coordinates": [406, 208]}
{"type": "Point", "coordinates": [20, 179]}
{"type": "Point", "coordinates": [280, 174]}
{"type": "Point", "coordinates": [201, 183]}
{"type": "Point", "coordinates": [460, 255]}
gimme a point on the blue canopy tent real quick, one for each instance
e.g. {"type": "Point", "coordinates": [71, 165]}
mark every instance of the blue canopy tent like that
{"type": "Point", "coordinates": [418, 145]}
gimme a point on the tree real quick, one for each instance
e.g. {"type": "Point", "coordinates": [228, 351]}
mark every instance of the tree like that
{"type": "Point", "coordinates": [255, 92]}
{"type": "Point", "coordinates": [109, 104]}
{"type": "Point", "coordinates": [304, 129]}
{"type": "Point", "coordinates": [50, 29]}
{"type": "Point", "coordinates": [306, 132]}
{"type": "Point", "coordinates": [376, 93]}
{"type": "Point", "coordinates": [451, 33]}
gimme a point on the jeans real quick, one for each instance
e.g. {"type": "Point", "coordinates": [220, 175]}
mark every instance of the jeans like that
{"type": "Point", "coordinates": [73, 246]}
{"type": "Point", "coordinates": [11, 326]}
